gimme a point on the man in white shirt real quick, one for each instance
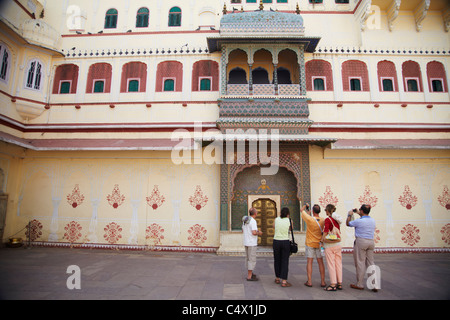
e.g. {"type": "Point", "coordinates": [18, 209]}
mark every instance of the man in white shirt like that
{"type": "Point", "coordinates": [251, 233]}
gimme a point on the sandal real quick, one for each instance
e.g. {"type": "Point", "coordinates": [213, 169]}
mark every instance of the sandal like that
{"type": "Point", "coordinates": [330, 288]}
{"type": "Point", "coordinates": [253, 278]}
{"type": "Point", "coordinates": [339, 286]}
{"type": "Point", "coordinates": [286, 284]}
{"type": "Point", "coordinates": [307, 284]}
{"type": "Point", "coordinates": [277, 281]}
{"type": "Point", "coordinates": [354, 286]}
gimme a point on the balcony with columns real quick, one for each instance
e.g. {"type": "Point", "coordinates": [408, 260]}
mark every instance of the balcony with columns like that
{"type": "Point", "coordinates": [262, 72]}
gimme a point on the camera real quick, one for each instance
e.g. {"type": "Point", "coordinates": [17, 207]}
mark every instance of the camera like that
{"type": "Point", "coordinates": [354, 210]}
{"type": "Point", "coordinates": [307, 207]}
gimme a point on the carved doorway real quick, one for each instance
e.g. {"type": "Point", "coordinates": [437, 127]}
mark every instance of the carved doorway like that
{"type": "Point", "coordinates": [267, 212]}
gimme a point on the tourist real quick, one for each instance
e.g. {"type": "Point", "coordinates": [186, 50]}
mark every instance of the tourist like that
{"type": "Point", "coordinates": [281, 247]}
{"type": "Point", "coordinates": [364, 243]}
{"type": "Point", "coordinates": [251, 233]}
{"type": "Point", "coordinates": [313, 242]}
{"type": "Point", "coordinates": [333, 250]}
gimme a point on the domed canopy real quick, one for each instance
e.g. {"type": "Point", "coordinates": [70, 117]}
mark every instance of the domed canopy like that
{"type": "Point", "coordinates": [262, 22]}
{"type": "Point", "coordinates": [262, 27]}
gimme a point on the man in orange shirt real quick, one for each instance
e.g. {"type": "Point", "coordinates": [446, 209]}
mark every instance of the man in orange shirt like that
{"type": "Point", "coordinates": [314, 227]}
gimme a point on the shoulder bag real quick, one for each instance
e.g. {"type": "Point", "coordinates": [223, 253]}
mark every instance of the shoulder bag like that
{"type": "Point", "coordinates": [334, 235]}
{"type": "Point", "coordinates": [293, 245]}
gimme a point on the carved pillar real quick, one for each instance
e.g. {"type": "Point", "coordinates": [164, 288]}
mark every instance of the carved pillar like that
{"type": "Point", "coordinates": [275, 78]}
{"type": "Point", "coordinates": [250, 79]}
{"type": "Point", "coordinates": [302, 74]}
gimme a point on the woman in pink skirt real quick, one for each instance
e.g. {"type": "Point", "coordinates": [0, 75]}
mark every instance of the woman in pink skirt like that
{"type": "Point", "coordinates": [333, 249]}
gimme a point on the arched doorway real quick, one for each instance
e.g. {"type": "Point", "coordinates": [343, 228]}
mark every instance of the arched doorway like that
{"type": "Point", "coordinates": [250, 186]}
{"type": "Point", "coordinates": [267, 212]}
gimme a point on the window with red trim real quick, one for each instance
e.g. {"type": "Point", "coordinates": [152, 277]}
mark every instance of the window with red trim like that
{"type": "Point", "coordinates": [172, 70]}
{"type": "Point", "coordinates": [136, 71]}
{"type": "Point", "coordinates": [65, 74]}
{"type": "Point", "coordinates": [354, 71]}
{"type": "Point", "coordinates": [319, 76]}
{"type": "Point", "coordinates": [205, 69]}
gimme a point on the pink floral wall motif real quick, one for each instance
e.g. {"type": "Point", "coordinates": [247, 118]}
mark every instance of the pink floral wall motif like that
{"type": "Point", "coordinates": [73, 231]}
{"type": "Point", "coordinates": [407, 200]}
{"type": "Point", "coordinates": [76, 197]}
{"type": "Point", "coordinates": [198, 200]}
{"type": "Point", "coordinates": [328, 198]}
{"type": "Point", "coordinates": [446, 233]}
{"type": "Point", "coordinates": [197, 235]}
{"type": "Point", "coordinates": [444, 199]}
{"type": "Point", "coordinates": [154, 232]}
{"type": "Point", "coordinates": [410, 234]}
{"type": "Point", "coordinates": [34, 230]}
{"type": "Point", "coordinates": [115, 199]}
{"type": "Point", "coordinates": [368, 198]}
{"type": "Point", "coordinates": [112, 233]}
{"type": "Point", "coordinates": [156, 199]}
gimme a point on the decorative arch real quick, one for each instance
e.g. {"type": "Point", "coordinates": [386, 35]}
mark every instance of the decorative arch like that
{"type": "Point", "coordinates": [318, 68]}
{"type": "Point", "coordinates": [205, 69]}
{"type": "Point", "coordinates": [66, 73]}
{"type": "Point", "coordinates": [436, 73]}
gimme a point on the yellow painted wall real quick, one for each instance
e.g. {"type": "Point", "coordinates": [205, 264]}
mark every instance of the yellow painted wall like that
{"type": "Point", "coordinates": [41, 188]}
{"type": "Point", "coordinates": [349, 179]}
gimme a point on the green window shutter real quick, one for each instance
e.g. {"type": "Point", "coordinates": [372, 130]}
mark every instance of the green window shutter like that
{"type": "Point", "coordinates": [282, 1]}
{"type": "Point", "coordinates": [388, 85]}
{"type": "Point", "coordinates": [111, 19]}
{"type": "Point", "coordinates": [169, 85]}
{"type": "Point", "coordinates": [175, 17]}
{"type": "Point", "coordinates": [319, 84]}
{"type": "Point", "coordinates": [267, 1]}
{"type": "Point", "coordinates": [205, 85]}
{"type": "Point", "coordinates": [437, 86]}
{"type": "Point", "coordinates": [251, 1]}
{"type": "Point", "coordinates": [133, 86]}
{"type": "Point", "coordinates": [99, 86]}
{"type": "Point", "coordinates": [412, 85]}
{"type": "Point", "coordinates": [355, 85]}
{"type": "Point", "coordinates": [142, 18]}
{"type": "Point", "coordinates": [65, 87]}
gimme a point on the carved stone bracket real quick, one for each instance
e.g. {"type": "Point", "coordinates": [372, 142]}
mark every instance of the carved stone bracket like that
{"type": "Point", "coordinates": [392, 13]}
{"type": "Point", "coordinates": [420, 13]}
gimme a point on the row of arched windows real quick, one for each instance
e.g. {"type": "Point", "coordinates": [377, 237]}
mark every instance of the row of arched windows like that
{"type": "Point", "coordinates": [355, 77]}
{"type": "Point", "coordinates": [142, 18]}
{"type": "Point", "coordinates": [169, 77]}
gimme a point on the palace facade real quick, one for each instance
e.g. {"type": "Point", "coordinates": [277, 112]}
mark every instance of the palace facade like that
{"type": "Point", "coordinates": [157, 124]}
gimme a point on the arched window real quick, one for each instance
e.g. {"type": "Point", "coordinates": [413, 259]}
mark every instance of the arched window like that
{"type": "Point", "coordinates": [111, 19]}
{"type": "Point", "coordinates": [283, 76]}
{"type": "Point", "coordinates": [134, 77]}
{"type": "Point", "coordinates": [412, 76]}
{"type": "Point", "coordinates": [204, 72]}
{"type": "Point", "coordinates": [237, 76]}
{"type": "Point", "coordinates": [175, 17]}
{"type": "Point", "coordinates": [34, 75]}
{"type": "Point", "coordinates": [99, 78]}
{"type": "Point", "coordinates": [66, 79]}
{"type": "Point", "coordinates": [260, 76]}
{"type": "Point", "coordinates": [437, 79]}
{"type": "Point", "coordinates": [355, 76]}
{"type": "Point", "coordinates": [319, 76]}
{"type": "Point", "coordinates": [4, 62]}
{"type": "Point", "coordinates": [142, 18]}
{"type": "Point", "coordinates": [169, 70]}
{"type": "Point", "coordinates": [387, 76]}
